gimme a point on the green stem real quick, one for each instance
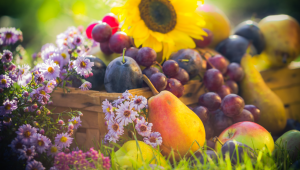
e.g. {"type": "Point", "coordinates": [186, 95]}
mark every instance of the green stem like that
{"type": "Point", "coordinates": [123, 61]}
{"type": "Point", "coordinates": [184, 60]}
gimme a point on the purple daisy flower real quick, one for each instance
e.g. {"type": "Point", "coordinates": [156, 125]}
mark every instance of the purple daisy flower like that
{"type": "Point", "coordinates": [5, 81]}
{"type": "Point", "coordinates": [39, 78]}
{"type": "Point", "coordinates": [25, 80]}
{"type": "Point", "coordinates": [125, 114]}
{"type": "Point", "coordinates": [114, 128]}
{"type": "Point", "coordinates": [57, 59]}
{"type": "Point", "coordinates": [109, 112]}
{"type": "Point", "coordinates": [113, 138]}
{"type": "Point", "coordinates": [48, 51]}
{"type": "Point", "coordinates": [9, 106]}
{"type": "Point", "coordinates": [13, 76]}
{"type": "Point", "coordinates": [125, 97]}
{"type": "Point", "coordinates": [54, 150]}
{"type": "Point", "coordinates": [86, 86]}
{"type": "Point", "coordinates": [26, 132]}
{"type": "Point", "coordinates": [50, 70]}
{"type": "Point", "coordinates": [76, 121]}
{"type": "Point", "coordinates": [16, 144]}
{"type": "Point", "coordinates": [62, 40]}
{"type": "Point", "coordinates": [44, 99]}
{"type": "Point", "coordinates": [9, 35]}
{"type": "Point", "coordinates": [44, 47]}
{"type": "Point", "coordinates": [143, 128]}
{"type": "Point", "coordinates": [63, 140]}
{"type": "Point", "coordinates": [41, 142]}
{"type": "Point", "coordinates": [138, 103]}
{"type": "Point", "coordinates": [50, 86]}
{"type": "Point", "coordinates": [27, 153]}
{"type": "Point", "coordinates": [63, 51]}
{"type": "Point", "coordinates": [34, 165]}
{"type": "Point", "coordinates": [22, 70]}
{"type": "Point", "coordinates": [7, 56]}
{"type": "Point", "coordinates": [76, 40]}
{"type": "Point", "coordinates": [154, 139]}
{"type": "Point", "coordinates": [71, 65]}
{"type": "Point", "coordinates": [83, 66]}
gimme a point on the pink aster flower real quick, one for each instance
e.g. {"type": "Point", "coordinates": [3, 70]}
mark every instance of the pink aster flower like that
{"type": "Point", "coordinates": [25, 80]}
{"type": "Point", "coordinates": [34, 165]}
{"type": "Point", "coordinates": [50, 70]}
{"type": "Point", "coordinates": [27, 153]}
{"type": "Point", "coordinates": [71, 65]}
{"type": "Point", "coordinates": [48, 51]}
{"type": "Point", "coordinates": [125, 97]}
{"type": "Point", "coordinates": [9, 106]}
{"type": "Point", "coordinates": [86, 86]}
{"type": "Point", "coordinates": [154, 139]}
{"type": "Point", "coordinates": [22, 70]}
{"type": "Point", "coordinates": [64, 54]}
{"type": "Point", "coordinates": [50, 86]}
{"type": "Point", "coordinates": [41, 142]}
{"type": "Point", "coordinates": [143, 128]}
{"type": "Point", "coordinates": [16, 144]}
{"type": "Point", "coordinates": [63, 140]}
{"type": "Point", "coordinates": [139, 102]}
{"type": "Point", "coordinates": [9, 35]}
{"type": "Point", "coordinates": [83, 66]}
{"type": "Point", "coordinates": [109, 112]}
{"type": "Point", "coordinates": [62, 40]}
{"type": "Point", "coordinates": [76, 121]}
{"type": "Point", "coordinates": [39, 78]}
{"type": "Point", "coordinates": [125, 114]}
{"type": "Point", "coordinates": [54, 150]}
{"type": "Point", "coordinates": [113, 138]}
{"type": "Point", "coordinates": [114, 128]}
{"type": "Point", "coordinates": [26, 133]}
{"type": "Point", "coordinates": [7, 56]}
{"type": "Point", "coordinates": [76, 40]}
{"type": "Point", "coordinates": [57, 59]}
{"type": "Point", "coordinates": [5, 81]}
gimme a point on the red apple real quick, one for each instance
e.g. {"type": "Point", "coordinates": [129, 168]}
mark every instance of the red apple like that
{"type": "Point", "coordinates": [249, 133]}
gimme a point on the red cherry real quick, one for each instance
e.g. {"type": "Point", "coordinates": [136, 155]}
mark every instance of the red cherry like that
{"type": "Point", "coordinates": [112, 21]}
{"type": "Point", "coordinates": [89, 29]}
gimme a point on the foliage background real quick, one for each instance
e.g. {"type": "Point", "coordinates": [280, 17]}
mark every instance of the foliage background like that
{"type": "Point", "coordinates": [42, 20]}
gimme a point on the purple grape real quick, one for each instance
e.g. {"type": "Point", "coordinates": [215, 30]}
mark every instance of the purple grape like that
{"type": "Point", "coordinates": [150, 70]}
{"type": "Point", "coordinates": [206, 39]}
{"type": "Point", "coordinates": [221, 122]}
{"type": "Point", "coordinates": [132, 52]}
{"type": "Point", "coordinates": [244, 116]}
{"type": "Point", "coordinates": [223, 91]}
{"type": "Point", "coordinates": [170, 68]}
{"type": "Point", "coordinates": [219, 62]}
{"type": "Point", "coordinates": [175, 87]}
{"type": "Point", "coordinates": [182, 76]}
{"type": "Point", "coordinates": [119, 41]}
{"type": "Point", "coordinates": [101, 32]}
{"type": "Point", "coordinates": [104, 47]}
{"type": "Point", "coordinates": [146, 56]}
{"type": "Point", "coordinates": [202, 113]}
{"type": "Point", "coordinates": [233, 86]}
{"type": "Point", "coordinates": [232, 105]}
{"type": "Point", "coordinates": [235, 72]}
{"type": "Point", "coordinates": [213, 79]}
{"type": "Point", "coordinates": [212, 101]}
{"type": "Point", "coordinates": [209, 130]}
{"type": "Point", "coordinates": [254, 111]}
{"type": "Point", "coordinates": [159, 81]}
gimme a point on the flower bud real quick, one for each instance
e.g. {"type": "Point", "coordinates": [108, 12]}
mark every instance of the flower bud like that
{"type": "Point", "coordinates": [67, 151]}
{"type": "Point", "coordinates": [48, 113]}
{"type": "Point", "coordinates": [71, 126]}
{"type": "Point", "coordinates": [42, 131]}
{"type": "Point", "coordinates": [25, 94]}
{"type": "Point", "coordinates": [86, 76]}
{"type": "Point", "coordinates": [91, 74]}
{"type": "Point", "coordinates": [26, 109]}
{"type": "Point", "coordinates": [1, 90]}
{"type": "Point", "coordinates": [34, 106]}
{"type": "Point", "coordinates": [61, 122]}
{"type": "Point", "coordinates": [38, 112]}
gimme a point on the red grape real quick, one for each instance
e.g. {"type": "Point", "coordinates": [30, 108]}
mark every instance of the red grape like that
{"type": "Point", "coordinates": [221, 122]}
{"type": "Point", "coordinates": [175, 87]}
{"type": "Point", "coordinates": [105, 48]}
{"type": "Point", "coordinates": [219, 62]}
{"type": "Point", "coordinates": [146, 56]}
{"type": "Point", "coordinates": [159, 81]}
{"type": "Point", "coordinates": [254, 111]}
{"type": "Point", "coordinates": [234, 88]}
{"type": "Point", "coordinates": [206, 39]}
{"type": "Point", "coordinates": [202, 113]}
{"type": "Point", "coordinates": [223, 91]}
{"type": "Point", "coordinates": [182, 76]}
{"type": "Point", "coordinates": [232, 105]}
{"type": "Point", "coordinates": [118, 42]}
{"type": "Point", "coordinates": [213, 79]}
{"type": "Point", "coordinates": [112, 21]}
{"type": "Point", "coordinates": [244, 116]}
{"type": "Point", "coordinates": [89, 29]}
{"type": "Point", "coordinates": [209, 130]}
{"type": "Point", "coordinates": [132, 52]}
{"type": "Point", "coordinates": [170, 68]}
{"type": "Point", "coordinates": [150, 70]}
{"type": "Point", "coordinates": [235, 72]}
{"type": "Point", "coordinates": [101, 32]}
{"type": "Point", "coordinates": [210, 100]}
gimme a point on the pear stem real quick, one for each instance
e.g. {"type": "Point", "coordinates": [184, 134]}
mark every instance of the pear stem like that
{"type": "Point", "coordinates": [148, 82]}
{"type": "Point", "coordinates": [217, 139]}
{"type": "Point", "coordinates": [123, 61]}
{"type": "Point", "coordinates": [206, 59]}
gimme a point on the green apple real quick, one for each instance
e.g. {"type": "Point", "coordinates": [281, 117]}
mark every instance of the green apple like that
{"type": "Point", "coordinates": [249, 133]}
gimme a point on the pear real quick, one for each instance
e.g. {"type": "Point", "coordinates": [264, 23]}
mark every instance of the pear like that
{"type": "Point", "coordinates": [181, 129]}
{"type": "Point", "coordinates": [255, 91]}
{"type": "Point", "coordinates": [282, 36]}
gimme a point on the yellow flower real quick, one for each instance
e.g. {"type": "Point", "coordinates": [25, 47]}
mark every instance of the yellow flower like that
{"type": "Point", "coordinates": [163, 25]}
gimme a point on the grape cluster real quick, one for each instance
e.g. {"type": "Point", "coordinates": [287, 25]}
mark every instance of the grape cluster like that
{"type": "Point", "coordinates": [221, 106]}
{"type": "Point", "coordinates": [106, 33]}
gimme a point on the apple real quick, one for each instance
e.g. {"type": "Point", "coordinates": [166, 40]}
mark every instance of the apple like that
{"type": "Point", "coordinates": [289, 141]}
{"type": "Point", "coordinates": [249, 133]}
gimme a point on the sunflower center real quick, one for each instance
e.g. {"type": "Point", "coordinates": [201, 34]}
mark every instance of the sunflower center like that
{"type": "Point", "coordinates": [41, 143]}
{"type": "Point", "coordinates": [53, 149]}
{"type": "Point", "coordinates": [64, 55]}
{"type": "Point", "coordinates": [143, 128]}
{"type": "Point", "coordinates": [126, 113]}
{"type": "Point", "coordinates": [3, 81]}
{"type": "Point", "coordinates": [50, 69]}
{"type": "Point", "coordinates": [28, 152]}
{"type": "Point", "coordinates": [115, 127]}
{"type": "Point", "coordinates": [27, 134]}
{"type": "Point", "coordinates": [7, 107]}
{"type": "Point", "coordinates": [63, 139]}
{"type": "Point", "coordinates": [8, 35]}
{"type": "Point", "coordinates": [152, 139]}
{"type": "Point", "coordinates": [158, 15]}
{"type": "Point", "coordinates": [82, 64]}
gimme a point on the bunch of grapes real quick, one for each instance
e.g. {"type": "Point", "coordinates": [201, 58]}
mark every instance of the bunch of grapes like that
{"type": "Point", "coordinates": [106, 33]}
{"type": "Point", "coordinates": [221, 106]}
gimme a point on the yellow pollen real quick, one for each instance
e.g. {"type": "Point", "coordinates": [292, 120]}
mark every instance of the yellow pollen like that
{"type": "Point", "coordinates": [7, 107]}
{"type": "Point", "coordinates": [43, 92]}
{"type": "Point", "coordinates": [64, 55]}
{"type": "Point", "coordinates": [75, 122]}
{"type": "Point", "coordinates": [27, 134]}
{"type": "Point", "coordinates": [82, 64]}
{"type": "Point", "coordinates": [8, 35]}
{"type": "Point", "coordinates": [3, 81]}
{"type": "Point", "coordinates": [41, 143]}
{"type": "Point", "coordinates": [23, 71]}
{"type": "Point", "coordinates": [63, 139]}
{"type": "Point", "coordinates": [56, 62]}
{"type": "Point", "coordinates": [50, 70]}
{"type": "Point", "coordinates": [108, 109]}
{"type": "Point", "coordinates": [53, 149]}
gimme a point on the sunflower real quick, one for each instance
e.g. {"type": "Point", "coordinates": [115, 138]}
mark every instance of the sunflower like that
{"type": "Point", "coordinates": [163, 25]}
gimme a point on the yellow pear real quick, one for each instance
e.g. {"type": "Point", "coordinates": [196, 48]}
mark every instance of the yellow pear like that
{"type": "Point", "coordinates": [255, 91]}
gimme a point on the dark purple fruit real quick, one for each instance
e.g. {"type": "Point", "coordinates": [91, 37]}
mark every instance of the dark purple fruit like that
{"type": "Point", "coordinates": [232, 105]}
{"type": "Point", "coordinates": [182, 76]}
{"type": "Point", "coordinates": [150, 70]}
{"type": "Point", "coordinates": [219, 62]}
{"type": "Point", "coordinates": [213, 79]}
{"type": "Point", "coordinates": [101, 32]}
{"type": "Point", "coordinates": [175, 87]}
{"type": "Point", "coordinates": [254, 111]}
{"type": "Point", "coordinates": [209, 130]}
{"type": "Point", "coordinates": [233, 86]}
{"type": "Point", "coordinates": [202, 113]}
{"type": "Point", "coordinates": [170, 68]}
{"type": "Point", "coordinates": [221, 122]}
{"type": "Point", "coordinates": [119, 41]}
{"type": "Point", "coordinates": [244, 116]}
{"type": "Point", "coordinates": [212, 101]}
{"type": "Point", "coordinates": [159, 81]}
{"type": "Point", "coordinates": [211, 156]}
{"type": "Point", "coordinates": [223, 91]}
{"type": "Point", "coordinates": [104, 47]}
{"type": "Point", "coordinates": [132, 52]}
{"type": "Point", "coordinates": [235, 72]}
{"type": "Point", "coordinates": [206, 39]}
{"type": "Point", "coordinates": [146, 56]}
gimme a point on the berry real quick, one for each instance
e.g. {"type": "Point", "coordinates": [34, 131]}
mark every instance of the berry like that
{"type": "Point", "coordinates": [213, 79]}
{"type": "Point", "coordinates": [159, 81]}
{"type": "Point", "coordinates": [232, 105]}
{"type": "Point", "coordinates": [210, 100]}
{"type": "Point", "coordinates": [235, 72]}
{"type": "Point", "coordinates": [175, 87]}
{"type": "Point", "coordinates": [150, 70]}
{"type": "Point", "coordinates": [146, 56]}
{"type": "Point", "coordinates": [219, 62]}
{"type": "Point", "coordinates": [206, 39]}
{"type": "Point", "coordinates": [202, 113]}
{"type": "Point", "coordinates": [182, 76]}
{"type": "Point", "coordinates": [118, 42]}
{"type": "Point", "coordinates": [105, 48]}
{"type": "Point", "coordinates": [132, 52]}
{"type": "Point", "coordinates": [234, 88]}
{"type": "Point", "coordinates": [170, 68]}
{"type": "Point", "coordinates": [101, 32]}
